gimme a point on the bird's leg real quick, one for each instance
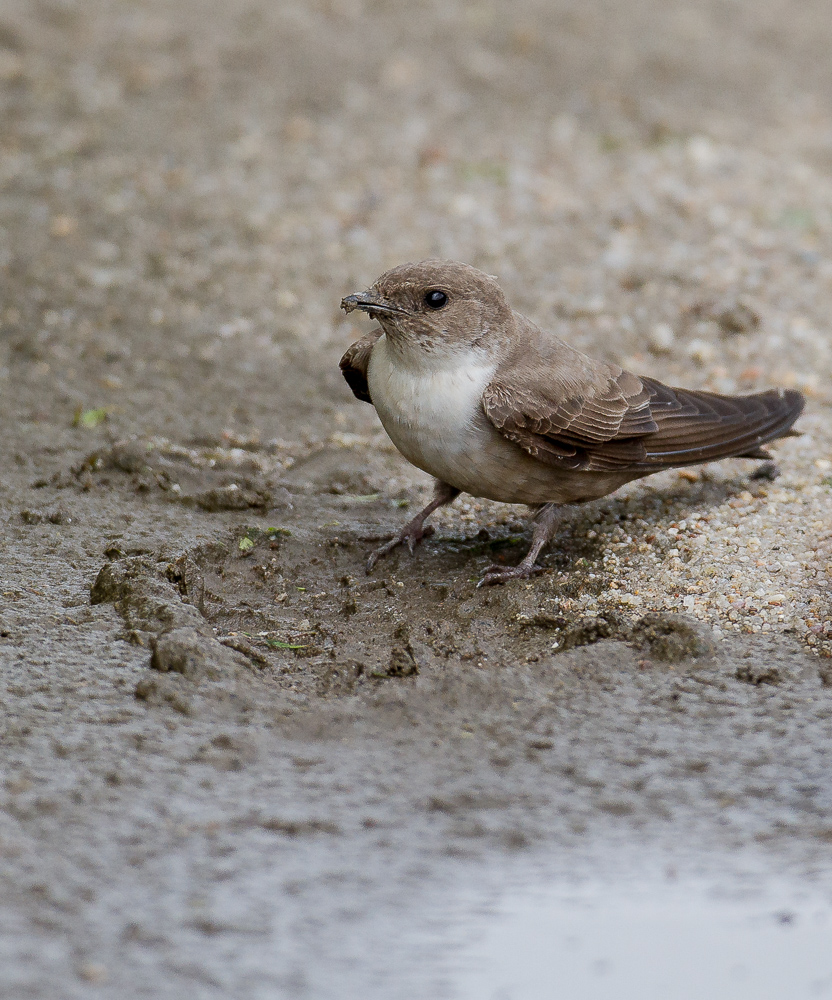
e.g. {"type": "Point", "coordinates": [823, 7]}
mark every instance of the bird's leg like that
{"type": "Point", "coordinates": [544, 524]}
{"type": "Point", "coordinates": [413, 532]}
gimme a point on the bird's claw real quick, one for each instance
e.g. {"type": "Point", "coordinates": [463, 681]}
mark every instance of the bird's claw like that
{"type": "Point", "coordinates": [410, 536]}
{"type": "Point", "coordinates": [502, 574]}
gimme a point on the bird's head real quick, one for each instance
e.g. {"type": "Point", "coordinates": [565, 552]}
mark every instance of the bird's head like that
{"type": "Point", "coordinates": [435, 305]}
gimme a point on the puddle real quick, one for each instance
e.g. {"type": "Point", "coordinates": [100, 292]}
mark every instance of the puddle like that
{"type": "Point", "coordinates": [675, 940]}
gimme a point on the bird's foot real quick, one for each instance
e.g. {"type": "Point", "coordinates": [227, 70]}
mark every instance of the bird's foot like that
{"type": "Point", "coordinates": [410, 536]}
{"type": "Point", "coordinates": [502, 574]}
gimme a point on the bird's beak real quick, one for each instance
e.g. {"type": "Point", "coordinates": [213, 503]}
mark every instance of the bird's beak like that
{"type": "Point", "coordinates": [372, 304]}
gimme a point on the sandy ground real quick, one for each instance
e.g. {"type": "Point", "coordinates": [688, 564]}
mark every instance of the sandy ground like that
{"type": "Point", "coordinates": [234, 765]}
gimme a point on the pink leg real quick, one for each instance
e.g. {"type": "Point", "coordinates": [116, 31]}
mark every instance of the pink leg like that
{"type": "Point", "coordinates": [414, 532]}
{"type": "Point", "coordinates": [544, 525]}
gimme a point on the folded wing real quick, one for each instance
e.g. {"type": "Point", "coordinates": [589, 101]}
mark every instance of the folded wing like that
{"type": "Point", "coordinates": [355, 362]}
{"type": "Point", "coordinates": [612, 420]}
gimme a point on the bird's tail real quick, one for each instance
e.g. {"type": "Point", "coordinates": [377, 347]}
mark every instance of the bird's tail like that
{"type": "Point", "coordinates": [696, 427]}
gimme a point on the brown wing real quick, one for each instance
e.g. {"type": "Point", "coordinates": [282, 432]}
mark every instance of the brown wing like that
{"type": "Point", "coordinates": [622, 422]}
{"type": "Point", "coordinates": [355, 362]}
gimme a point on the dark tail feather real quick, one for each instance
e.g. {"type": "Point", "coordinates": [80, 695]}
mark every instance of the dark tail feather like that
{"type": "Point", "coordinates": [696, 427]}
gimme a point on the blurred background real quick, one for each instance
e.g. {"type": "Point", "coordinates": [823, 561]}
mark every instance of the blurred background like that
{"type": "Point", "coordinates": [180, 179]}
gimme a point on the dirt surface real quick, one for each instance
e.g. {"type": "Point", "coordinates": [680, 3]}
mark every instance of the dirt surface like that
{"type": "Point", "coordinates": [232, 763]}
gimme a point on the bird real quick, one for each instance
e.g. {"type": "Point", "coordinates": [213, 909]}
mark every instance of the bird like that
{"type": "Point", "coordinates": [486, 402]}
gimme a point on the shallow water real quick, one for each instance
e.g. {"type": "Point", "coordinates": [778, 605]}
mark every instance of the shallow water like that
{"type": "Point", "coordinates": [677, 939]}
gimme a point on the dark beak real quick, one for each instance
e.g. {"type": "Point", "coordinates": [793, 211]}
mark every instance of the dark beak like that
{"type": "Point", "coordinates": [370, 302]}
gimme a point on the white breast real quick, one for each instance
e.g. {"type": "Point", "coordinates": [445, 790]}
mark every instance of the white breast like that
{"type": "Point", "coordinates": [431, 408]}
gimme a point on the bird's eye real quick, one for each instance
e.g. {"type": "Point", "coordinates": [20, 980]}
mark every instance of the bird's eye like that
{"type": "Point", "coordinates": [435, 299]}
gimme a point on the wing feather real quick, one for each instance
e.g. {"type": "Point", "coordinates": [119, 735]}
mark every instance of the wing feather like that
{"type": "Point", "coordinates": [355, 362]}
{"type": "Point", "coordinates": [617, 421]}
